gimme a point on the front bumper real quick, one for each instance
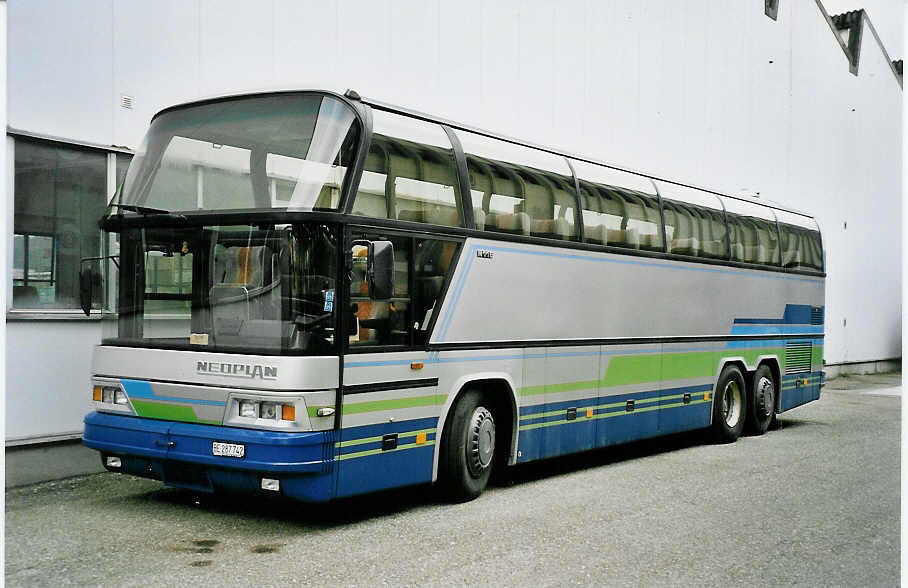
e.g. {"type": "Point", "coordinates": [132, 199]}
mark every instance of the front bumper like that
{"type": "Point", "coordinates": [179, 454]}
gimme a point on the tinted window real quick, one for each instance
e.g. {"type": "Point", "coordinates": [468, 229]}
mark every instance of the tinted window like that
{"type": "Point", "coordinates": [801, 246]}
{"type": "Point", "coordinates": [694, 222]}
{"type": "Point", "coordinates": [420, 268]}
{"type": "Point", "coordinates": [280, 150]}
{"type": "Point", "coordinates": [410, 173]}
{"type": "Point", "coordinates": [519, 190]}
{"type": "Point", "coordinates": [753, 233]}
{"type": "Point", "coordinates": [59, 195]}
{"type": "Point", "coordinates": [619, 209]}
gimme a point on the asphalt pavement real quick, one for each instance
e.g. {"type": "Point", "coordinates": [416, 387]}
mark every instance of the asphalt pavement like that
{"type": "Point", "coordinates": [814, 502]}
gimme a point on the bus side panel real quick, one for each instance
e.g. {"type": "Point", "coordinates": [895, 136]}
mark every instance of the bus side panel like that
{"type": "Point", "coordinates": [571, 397]}
{"type": "Point", "coordinates": [389, 419]}
{"type": "Point", "coordinates": [629, 393]}
{"type": "Point", "coordinates": [532, 406]}
{"type": "Point", "coordinates": [368, 467]}
{"type": "Point", "coordinates": [688, 378]}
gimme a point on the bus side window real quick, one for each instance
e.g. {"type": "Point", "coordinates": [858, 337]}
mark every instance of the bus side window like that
{"type": "Point", "coordinates": [422, 264]}
{"type": "Point", "coordinates": [410, 173]}
{"type": "Point", "coordinates": [434, 259]}
{"type": "Point", "coordinates": [519, 190]}
{"type": "Point", "coordinates": [380, 322]}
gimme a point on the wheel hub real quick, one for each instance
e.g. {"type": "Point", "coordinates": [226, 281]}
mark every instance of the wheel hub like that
{"type": "Point", "coordinates": [766, 397]}
{"type": "Point", "coordinates": [481, 442]}
{"type": "Point", "coordinates": [731, 403]}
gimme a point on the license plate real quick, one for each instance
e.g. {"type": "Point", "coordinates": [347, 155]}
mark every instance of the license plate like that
{"type": "Point", "coordinates": [228, 449]}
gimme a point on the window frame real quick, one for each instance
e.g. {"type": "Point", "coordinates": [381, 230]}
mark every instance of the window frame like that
{"type": "Point", "coordinates": [350, 230]}
{"type": "Point", "coordinates": [14, 138]}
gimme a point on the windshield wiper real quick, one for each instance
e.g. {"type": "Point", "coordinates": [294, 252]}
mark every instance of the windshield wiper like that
{"type": "Point", "coordinates": [144, 210]}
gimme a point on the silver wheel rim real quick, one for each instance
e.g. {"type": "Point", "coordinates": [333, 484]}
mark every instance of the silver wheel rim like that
{"type": "Point", "coordinates": [765, 397]}
{"type": "Point", "coordinates": [481, 443]}
{"type": "Point", "coordinates": [731, 404]}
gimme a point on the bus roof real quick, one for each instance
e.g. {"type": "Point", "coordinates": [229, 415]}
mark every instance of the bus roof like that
{"type": "Point", "coordinates": [350, 95]}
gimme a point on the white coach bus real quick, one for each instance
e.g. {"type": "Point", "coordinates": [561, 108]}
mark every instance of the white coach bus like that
{"type": "Point", "coordinates": [322, 295]}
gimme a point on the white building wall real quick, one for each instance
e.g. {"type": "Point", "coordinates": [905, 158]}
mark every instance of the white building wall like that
{"type": "Point", "coordinates": [713, 93]}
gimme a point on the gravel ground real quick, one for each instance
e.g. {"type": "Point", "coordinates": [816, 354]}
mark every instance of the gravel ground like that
{"type": "Point", "coordinates": [815, 502]}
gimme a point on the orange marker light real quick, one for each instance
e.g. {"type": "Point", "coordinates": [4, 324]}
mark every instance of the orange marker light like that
{"type": "Point", "coordinates": [416, 365]}
{"type": "Point", "coordinates": [420, 438]}
{"type": "Point", "coordinates": [96, 394]}
{"type": "Point", "coordinates": [706, 396]}
{"type": "Point", "coordinates": [288, 412]}
{"type": "Point", "coordinates": [589, 413]}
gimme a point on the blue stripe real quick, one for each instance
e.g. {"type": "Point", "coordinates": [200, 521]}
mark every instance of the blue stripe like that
{"type": "Point", "coordinates": [433, 358]}
{"type": "Point", "coordinates": [583, 403]}
{"type": "Point", "coordinates": [776, 329]}
{"type": "Point", "coordinates": [142, 389]}
{"type": "Point", "coordinates": [795, 314]}
{"type": "Point", "coordinates": [768, 343]}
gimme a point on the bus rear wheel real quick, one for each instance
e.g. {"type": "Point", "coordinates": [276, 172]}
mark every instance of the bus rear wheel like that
{"type": "Point", "coordinates": [729, 405]}
{"type": "Point", "coordinates": [761, 408]}
{"type": "Point", "coordinates": [468, 449]}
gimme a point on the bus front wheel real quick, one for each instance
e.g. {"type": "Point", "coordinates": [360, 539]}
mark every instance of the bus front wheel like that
{"type": "Point", "coordinates": [729, 405]}
{"type": "Point", "coordinates": [468, 449]}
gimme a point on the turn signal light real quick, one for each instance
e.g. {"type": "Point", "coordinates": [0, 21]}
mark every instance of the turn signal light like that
{"type": "Point", "coordinates": [288, 412]}
{"type": "Point", "coordinates": [96, 394]}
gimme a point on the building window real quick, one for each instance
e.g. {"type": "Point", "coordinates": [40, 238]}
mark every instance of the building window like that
{"type": "Point", "coordinates": [60, 193]}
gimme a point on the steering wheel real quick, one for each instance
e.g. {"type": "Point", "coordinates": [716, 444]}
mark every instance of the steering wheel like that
{"type": "Point", "coordinates": [308, 320]}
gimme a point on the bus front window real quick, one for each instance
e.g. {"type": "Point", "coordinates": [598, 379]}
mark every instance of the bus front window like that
{"type": "Point", "coordinates": [289, 151]}
{"type": "Point", "coordinates": [252, 289]}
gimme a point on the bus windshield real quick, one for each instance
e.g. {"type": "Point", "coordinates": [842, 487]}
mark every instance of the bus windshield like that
{"type": "Point", "coordinates": [251, 289]}
{"type": "Point", "coordinates": [287, 151]}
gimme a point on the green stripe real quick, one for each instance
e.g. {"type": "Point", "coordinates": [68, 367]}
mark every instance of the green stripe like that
{"type": "Point", "coordinates": [394, 404]}
{"type": "Point", "coordinates": [377, 451]}
{"type": "Point", "coordinates": [655, 367]}
{"type": "Point", "coordinates": [605, 415]}
{"type": "Point", "coordinates": [377, 438]}
{"type": "Point", "coordinates": [553, 388]}
{"type": "Point", "coordinates": [170, 412]}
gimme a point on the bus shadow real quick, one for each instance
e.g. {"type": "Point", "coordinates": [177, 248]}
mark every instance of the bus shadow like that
{"type": "Point", "coordinates": [595, 458]}
{"type": "Point", "coordinates": [268, 509]}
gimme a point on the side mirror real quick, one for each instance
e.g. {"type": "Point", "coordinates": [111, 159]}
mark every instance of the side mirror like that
{"type": "Point", "coordinates": [380, 268]}
{"type": "Point", "coordinates": [86, 278]}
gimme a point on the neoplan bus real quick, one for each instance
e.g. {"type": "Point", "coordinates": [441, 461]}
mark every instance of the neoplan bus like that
{"type": "Point", "coordinates": [321, 295]}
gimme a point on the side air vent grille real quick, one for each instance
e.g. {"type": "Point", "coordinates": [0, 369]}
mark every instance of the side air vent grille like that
{"type": "Point", "coordinates": [816, 315]}
{"type": "Point", "coordinates": [797, 357]}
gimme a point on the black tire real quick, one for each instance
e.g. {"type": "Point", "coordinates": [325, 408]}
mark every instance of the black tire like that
{"type": "Point", "coordinates": [468, 448]}
{"type": "Point", "coordinates": [729, 405]}
{"type": "Point", "coordinates": [761, 401]}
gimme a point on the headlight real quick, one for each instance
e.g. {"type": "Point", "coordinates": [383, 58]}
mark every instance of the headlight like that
{"type": "Point", "coordinates": [108, 395]}
{"type": "Point", "coordinates": [270, 410]}
{"type": "Point", "coordinates": [120, 397]}
{"type": "Point", "coordinates": [261, 409]}
{"type": "Point", "coordinates": [249, 408]}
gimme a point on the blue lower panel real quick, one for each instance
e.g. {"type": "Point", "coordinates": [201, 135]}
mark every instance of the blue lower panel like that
{"type": "Point", "coordinates": [364, 467]}
{"type": "Point", "coordinates": [179, 454]}
{"type": "Point", "coordinates": [629, 426]}
{"type": "Point", "coordinates": [658, 412]}
{"type": "Point", "coordinates": [685, 418]}
{"type": "Point", "coordinates": [795, 392]}
{"type": "Point", "coordinates": [407, 465]}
